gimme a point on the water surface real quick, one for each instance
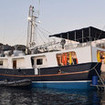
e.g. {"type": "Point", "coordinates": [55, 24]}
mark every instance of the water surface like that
{"type": "Point", "coordinates": [35, 96]}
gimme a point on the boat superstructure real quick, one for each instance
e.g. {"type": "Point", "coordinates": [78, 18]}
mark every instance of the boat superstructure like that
{"type": "Point", "coordinates": [64, 63]}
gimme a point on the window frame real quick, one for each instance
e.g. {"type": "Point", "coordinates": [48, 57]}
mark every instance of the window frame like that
{"type": "Point", "coordinates": [40, 62]}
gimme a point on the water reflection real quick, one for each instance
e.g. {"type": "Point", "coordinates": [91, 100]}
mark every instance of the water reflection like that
{"type": "Point", "coordinates": [33, 96]}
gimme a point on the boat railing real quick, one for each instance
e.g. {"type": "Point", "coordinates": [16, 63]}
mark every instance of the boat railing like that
{"type": "Point", "coordinates": [77, 45]}
{"type": "Point", "coordinates": [57, 46]}
{"type": "Point", "coordinates": [100, 43]}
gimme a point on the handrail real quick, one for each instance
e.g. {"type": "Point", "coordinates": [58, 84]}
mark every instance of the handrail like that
{"type": "Point", "coordinates": [98, 75]}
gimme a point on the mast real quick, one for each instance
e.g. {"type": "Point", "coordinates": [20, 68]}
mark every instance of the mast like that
{"type": "Point", "coordinates": [31, 36]}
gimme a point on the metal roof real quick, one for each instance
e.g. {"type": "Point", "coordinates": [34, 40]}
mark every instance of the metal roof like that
{"type": "Point", "coordinates": [82, 35]}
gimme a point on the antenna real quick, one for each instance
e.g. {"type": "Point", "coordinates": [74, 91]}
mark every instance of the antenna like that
{"type": "Point", "coordinates": [39, 9]}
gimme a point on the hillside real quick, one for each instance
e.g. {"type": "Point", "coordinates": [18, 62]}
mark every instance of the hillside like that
{"type": "Point", "coordinates": [6, 47]}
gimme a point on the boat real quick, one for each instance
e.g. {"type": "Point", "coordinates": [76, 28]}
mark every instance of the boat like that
{"type": "Point", "coordinates": [18, 83]}
{"type": "Point", "coordinates": [70, 63]}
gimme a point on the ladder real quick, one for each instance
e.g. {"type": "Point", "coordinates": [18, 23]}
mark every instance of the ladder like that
{"type": "Point", "coordinates": [101, 85]}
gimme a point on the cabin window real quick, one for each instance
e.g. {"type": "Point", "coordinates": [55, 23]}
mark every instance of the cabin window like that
{"type": "Point", "coordinates": [100, 56]}
{"type": "Point", "coordinates": [39, 61]}
{"type": "Point", "coordinates": [68, 58]}
{"type": "Point", "coordinates": [1, 63]}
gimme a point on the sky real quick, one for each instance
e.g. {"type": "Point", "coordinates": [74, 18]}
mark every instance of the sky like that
{"type": "Point", "coordinates": [56, 16]}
